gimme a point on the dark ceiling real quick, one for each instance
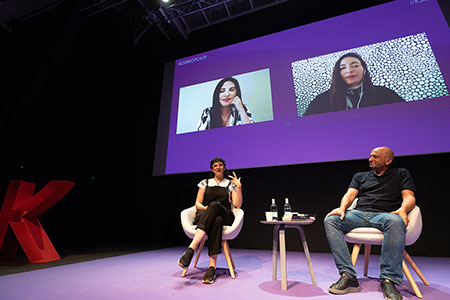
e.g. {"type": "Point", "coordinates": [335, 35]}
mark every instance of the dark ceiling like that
{"type": "Point", "coordinates": [180, 19]}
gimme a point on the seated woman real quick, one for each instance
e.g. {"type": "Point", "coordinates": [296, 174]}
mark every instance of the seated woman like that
{"type": "Point", "coordinates": [227, 109]}
{"type": "Point", "coordinates": [351, 87]}
{"type": "Point", "coordinates": [213, 205]}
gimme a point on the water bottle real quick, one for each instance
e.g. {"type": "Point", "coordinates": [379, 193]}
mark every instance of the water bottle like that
{"type": "Point", "coordinates": [287, 206]}
{"type": "Point", "coordinates": [274, 210]}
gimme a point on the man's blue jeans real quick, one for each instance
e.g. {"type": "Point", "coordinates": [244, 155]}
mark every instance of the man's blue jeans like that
{"type": "Point", "coordinates": [392, 249]}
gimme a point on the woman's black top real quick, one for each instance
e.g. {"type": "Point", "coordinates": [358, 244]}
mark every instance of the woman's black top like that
{"type": "Point", "coordinates": [217, 194]}
{"type": "Point", "coordinates": [377, 96]}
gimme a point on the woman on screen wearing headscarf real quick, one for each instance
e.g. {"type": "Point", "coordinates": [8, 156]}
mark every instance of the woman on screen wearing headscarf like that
{"type": "Point", "coordinates": [351, 87]}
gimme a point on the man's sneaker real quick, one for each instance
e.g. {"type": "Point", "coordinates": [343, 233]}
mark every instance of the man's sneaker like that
{"type": "Point", "coordinates": [389, 290]}
{"type": "Point", "coordinates": [346, 284]}
{"type": "Point", "coordinates": [185, 260]}
{"type": "Point", "coordinates": [210, 275]}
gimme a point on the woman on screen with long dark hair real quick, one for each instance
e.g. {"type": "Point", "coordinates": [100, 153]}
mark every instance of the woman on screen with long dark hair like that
{"type": "Point", "coordinates": [351, 87]}
{"type": "Point", "coordinates": [227, 108]}
{"type": "Point", "coordinates": [213, 203]}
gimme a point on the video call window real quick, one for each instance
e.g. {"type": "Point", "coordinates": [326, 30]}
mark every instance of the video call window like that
{"type": "Point", "coordinates": [236, 100]}
{"type": "Point", "coordinates": [403, 69]}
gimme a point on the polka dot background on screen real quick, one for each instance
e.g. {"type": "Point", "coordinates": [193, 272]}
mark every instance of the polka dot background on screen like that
{"type": "Point", "coordinates": [405, 65]}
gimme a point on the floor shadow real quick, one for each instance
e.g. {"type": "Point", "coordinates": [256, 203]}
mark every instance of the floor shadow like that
{"type": "Point", "coordinates": [22, 264]}
{"type": "Point", "coordinates": [295, 289]}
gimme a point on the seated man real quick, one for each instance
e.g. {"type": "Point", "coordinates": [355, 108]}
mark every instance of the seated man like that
{"type": "Point", "coordinates": [385, 196]}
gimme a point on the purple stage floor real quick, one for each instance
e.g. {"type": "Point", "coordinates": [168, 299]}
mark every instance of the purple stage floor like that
{"type": "Point", "coordinates": [155, 275]}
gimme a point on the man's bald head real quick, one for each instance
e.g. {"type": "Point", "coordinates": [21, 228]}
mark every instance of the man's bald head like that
{"type": "Point", "coordinates": [386, 152]}
{"type": "Point", "coordinates": [380, 159]}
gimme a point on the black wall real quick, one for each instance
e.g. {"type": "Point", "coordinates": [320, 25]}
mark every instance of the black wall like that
{"type": "Point", "coordinates": [80, 102]}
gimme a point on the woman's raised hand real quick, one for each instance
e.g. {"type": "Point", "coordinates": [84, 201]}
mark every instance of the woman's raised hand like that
{"type": "Point", "coordinates": [235, 180]}
{"type": "Point", "coordinates": [237, 102]}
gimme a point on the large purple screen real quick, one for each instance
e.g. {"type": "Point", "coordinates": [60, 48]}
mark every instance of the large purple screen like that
{"type": "Point", "coordinates": [405, 45]}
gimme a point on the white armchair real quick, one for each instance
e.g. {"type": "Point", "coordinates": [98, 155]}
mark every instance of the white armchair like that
{"type": "Point", "coordinates": [372, 236]}
{"type": "Point", "coordinates": [229, 233]}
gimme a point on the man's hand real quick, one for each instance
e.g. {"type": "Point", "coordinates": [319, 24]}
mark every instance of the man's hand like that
{"type": "Point", "coordinates": [337, 211]}
{"type": "Point", "coordinates": [402, 213]}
